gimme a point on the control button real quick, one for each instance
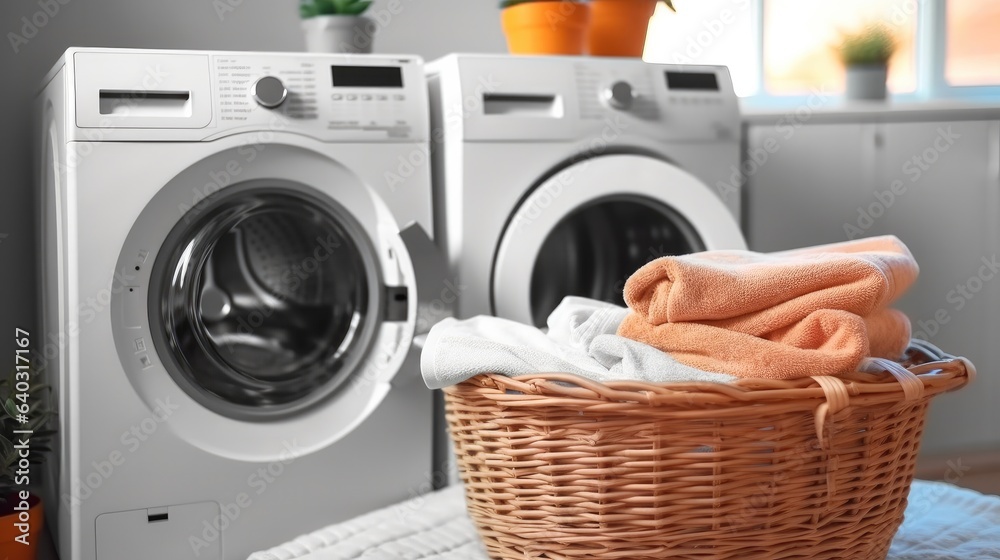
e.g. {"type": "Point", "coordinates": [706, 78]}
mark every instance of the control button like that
{"type": "Point", "coordinates": [619, 95]}
{"type": "Point", "coordinates": [366, 97]}
{"type": "Point", "coordinates": [352, 97]}
{"type": "Point", "coordinates": [140, 345]}
{"type": "Point", "coordinates": [133, 308]}
{"type": "Point", "coordinates": [399, 97]}
{"type": "Point", "coordinates": [336, 97]}
{"type": "Point", "coordinates": [269, 92]}
{"type": "Point", "coordinates": [382, 97]}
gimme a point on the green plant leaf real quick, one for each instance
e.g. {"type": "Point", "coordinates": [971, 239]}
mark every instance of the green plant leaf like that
{"type": "Point", "coordinates": [10, 408]}
{"type": "Point", "coordinates": [509, 3]}
{"type": "Point", "coordinates": [39, 414]}
{"type": "Point", "coordinates": [874, 44]}
{"type": "Point", "coordinates": [358, 8]}
{"type": "Point", "coordinates": [313, 8]}
{"type": "Point", "coordinates": [7, 452]}
{"type": "Point", "coordinates": [340, 6]}
{"type": "Point", "coordinates": [38, 387]}
{"type": "Point", "coordinates": [324, 7]}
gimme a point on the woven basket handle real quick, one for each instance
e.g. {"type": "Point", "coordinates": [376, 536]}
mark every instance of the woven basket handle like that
{"type": "Point", "coordinates": [838, 394]}
{"type": "Point", "coordinates": [931, 351]}
{"type": "Point", "coordinates": [837, 398]}
{"type": "Point", "coordinates": [939, 356]}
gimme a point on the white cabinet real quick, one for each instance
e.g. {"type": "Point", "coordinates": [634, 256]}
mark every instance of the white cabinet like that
{"type": "Point", "coordinates": [949, 215]}
{"type": "Point", "coordinates": [936, 185]}
{"type": "Point", "coordinates": [810, 184]}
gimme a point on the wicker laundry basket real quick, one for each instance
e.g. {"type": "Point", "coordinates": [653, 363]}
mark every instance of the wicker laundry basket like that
{"type": "Point", "coordinates": [559, 467]}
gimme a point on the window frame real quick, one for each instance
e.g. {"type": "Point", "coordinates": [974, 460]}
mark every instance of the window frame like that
{"type": "Point", "coordinates": [931, 55]}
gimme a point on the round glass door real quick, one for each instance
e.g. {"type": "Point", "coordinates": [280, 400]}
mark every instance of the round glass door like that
{"type": "Point", "coordinates": [584, 230]}
{"type": "Point", "coordinates": [266, 302]}
{"type": "Point", "coordinates": [594, 249]}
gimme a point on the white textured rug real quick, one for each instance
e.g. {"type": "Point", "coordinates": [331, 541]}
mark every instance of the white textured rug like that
{"type": "Point", "coordinates": [943, 522]}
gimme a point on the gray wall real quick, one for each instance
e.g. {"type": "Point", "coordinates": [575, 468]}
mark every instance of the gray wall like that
{"type": "Point", "coordinates": [429, 28]}
{"type": "Point", "coordinates": [433, 28]}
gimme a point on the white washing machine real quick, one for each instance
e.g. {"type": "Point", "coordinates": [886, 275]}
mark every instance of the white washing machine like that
{"type": "Point", "coordinates": [232, 276]}
{"type": "Point", "coordinates": [561, 176]}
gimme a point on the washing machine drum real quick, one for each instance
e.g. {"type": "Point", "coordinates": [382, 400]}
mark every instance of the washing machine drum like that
{"type": "Point", "coordinates": [585, 230]}
{"type": "Point", "coordinates": [266, 301]}
{"type": "Point", "coordinates": [592, 251]}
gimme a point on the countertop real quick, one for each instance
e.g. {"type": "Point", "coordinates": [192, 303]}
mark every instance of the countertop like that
{"type": "Point", "coordinates": [838, 110]}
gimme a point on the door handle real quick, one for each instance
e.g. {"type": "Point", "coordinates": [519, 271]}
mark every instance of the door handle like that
{"type": "Point", "coordinates": [436, 295]}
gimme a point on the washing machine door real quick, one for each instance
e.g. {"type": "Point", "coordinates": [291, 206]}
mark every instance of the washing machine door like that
{"type": "Point", "coordinates": [279, 307]}
{"type": "Point", "coordinates": [267, 301]}
{"type": "Point", "coordinates": [587, 228]}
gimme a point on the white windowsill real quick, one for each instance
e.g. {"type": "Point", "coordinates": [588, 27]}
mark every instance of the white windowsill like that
{"type": "Point", "coordinates": [834, 108]}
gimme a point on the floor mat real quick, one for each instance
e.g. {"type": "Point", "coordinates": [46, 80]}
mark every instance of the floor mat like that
{"type": "Point", "coordinates": [943, 522]}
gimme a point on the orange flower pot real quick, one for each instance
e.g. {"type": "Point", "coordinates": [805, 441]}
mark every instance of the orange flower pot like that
{"type": "Point", "coordinates": [546, 27]}
{"type": "Point", "coordinates": [11, 528]}
{"type": "Point", "coordinates": [618, 27]}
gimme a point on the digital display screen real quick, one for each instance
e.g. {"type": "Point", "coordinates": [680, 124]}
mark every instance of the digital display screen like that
{"type": "Point", "coordinates": [700, 81]}
{"type": "Point", "coordinates": [367, 76]}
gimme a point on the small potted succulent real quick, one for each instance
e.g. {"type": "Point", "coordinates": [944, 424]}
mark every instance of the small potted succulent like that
{"type": "Point", "coordinates": [337, 26]}
{"type": "Point", "coordinates": [618, 27]}
{"type": "Point", "coordinates": [545, 26]}
{"type": "Point", "coordinates": [24, 417]}
{"type": "Point", "coordinates": [866, 55]}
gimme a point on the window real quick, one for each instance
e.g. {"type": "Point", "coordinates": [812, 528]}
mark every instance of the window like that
{"type": "Point", "coordinates": [973, 44]}
{"type": "Point", "coordinates": [707, 32]}
{"type": "Point", "coordinates": [777, 48]}
{"type": "Point", "coordinates": [801, 38]}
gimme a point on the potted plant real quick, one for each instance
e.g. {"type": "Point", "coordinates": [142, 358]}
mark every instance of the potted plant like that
{"type": "Point", "coordinates": [24, 415]}
{"type": "Point", "coordinates": [618, 27]}
{"type": "Point", "coordinates": [337, 26]}
{"type": "Point", "coordinates": [546, 26]}
{"type": "Point", "coordinates": [866, 56]}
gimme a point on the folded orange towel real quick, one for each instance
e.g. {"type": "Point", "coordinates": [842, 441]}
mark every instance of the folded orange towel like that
{"type": "Point", "coordinates": [815, 311]}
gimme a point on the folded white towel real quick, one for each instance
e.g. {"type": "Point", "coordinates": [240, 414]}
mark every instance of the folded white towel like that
{"type": "Point", "coordinates": [581, 340]}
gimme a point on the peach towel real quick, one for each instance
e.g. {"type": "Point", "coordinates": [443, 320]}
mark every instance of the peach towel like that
{"type": "Point", "coordinates": [814, 311]}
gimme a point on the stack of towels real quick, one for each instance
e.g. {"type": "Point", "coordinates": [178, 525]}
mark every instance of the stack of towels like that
{"type": "Point", "coordinates": [714, 316]}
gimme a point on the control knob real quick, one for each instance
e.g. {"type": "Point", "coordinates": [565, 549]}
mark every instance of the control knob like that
{"type": "Point", "coordinates": [269, 92]}
{"type": "Point", "coordinates": [619, 95]}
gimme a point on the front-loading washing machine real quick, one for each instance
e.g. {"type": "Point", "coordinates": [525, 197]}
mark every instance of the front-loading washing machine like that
{"type": "Point", "coordinates": [233, 272]}
{"type": "Point", "coordinates": [559, 176]}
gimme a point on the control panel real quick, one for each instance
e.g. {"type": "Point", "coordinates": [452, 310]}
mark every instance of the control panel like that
{"type": "Point", "coordinates": [362, 96]}
{"type": "Point", "coordinates": [646, 91]}
{"type": "Point", "coordinates": [566, 98]}
{"type": "Point", "coordinates": [195, 95]}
